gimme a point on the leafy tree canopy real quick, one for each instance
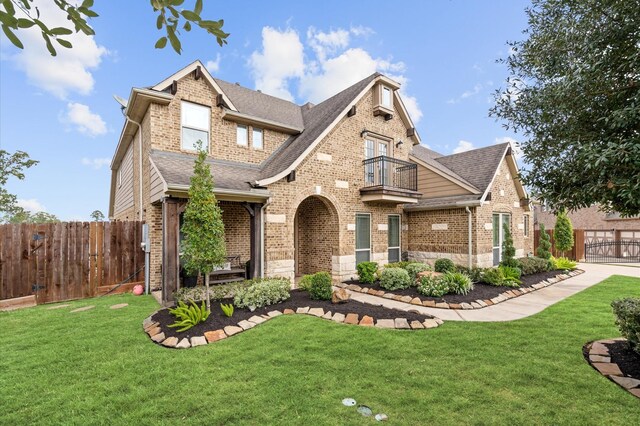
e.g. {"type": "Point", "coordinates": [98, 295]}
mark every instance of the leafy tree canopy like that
{"type": "Point", "coordinates": [574, 94]}
{"type": "Point", "coordinates": [11, 165]}
{"type": "Point", "coordinates": [16, 15]}
{"type": "Point", "coordinates": [97, 215]}
{"type": "Point", "coordinates": [563, 233]}
{"type": "Point", "coordinates": [21, 215]}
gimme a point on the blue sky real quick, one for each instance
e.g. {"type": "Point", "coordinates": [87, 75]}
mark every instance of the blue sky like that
{"type": "Point", "coordinates": [61, 111]}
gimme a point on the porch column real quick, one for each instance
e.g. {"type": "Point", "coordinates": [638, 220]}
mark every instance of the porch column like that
{"type": "Point", "coordinates": [255, 221]}
{"type": "Point", "coordinates": [170, 235]}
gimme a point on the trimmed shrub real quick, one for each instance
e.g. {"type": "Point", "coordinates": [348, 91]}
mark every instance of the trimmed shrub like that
{"type": "Point", "coordinates": [511, 276]}
{"type": "Point", "coordinates": [414, 269]}
{"type": "Point", "coordinates": [508, 250]}
{"type": "Point", "coordinates": [444, 265]}
{"type": "Point", "coordinates": [367, 272]}
{"type": "Point", "coordinates": [263, 293]}
{"type": "Point", "coordinates": [394, 279]}
{"type": "Point", "coordinates": [564, 264]}
{"type": "Point", "coordinates": [216, 292]}
{"type": "Point", "coordinates": [458, 283]}
{"type": "Point", "coordinates": [432, 286]}
{"type": "Point", "coordinates": [305, 282]}
{"type": "Point", "coordinates": [320, 288]}
{"type": "Point", "coordinates": [544, 245]}
{"type": "Point", "coordinates": [627, 312]}
{"type": "Point", "coordinates": [563, 233]}
{"type": "Point", "coordinates": [493, 276]}
{"type": "Point", "coordinates": [475, 273]}
{"type": "Point", "coordinates": [533, 265]}
{"type": "Point", "coordinates": [402, 264]}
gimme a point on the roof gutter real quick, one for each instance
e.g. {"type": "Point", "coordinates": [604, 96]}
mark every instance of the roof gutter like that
{"type": "Point", "coordinates": [253, 193]}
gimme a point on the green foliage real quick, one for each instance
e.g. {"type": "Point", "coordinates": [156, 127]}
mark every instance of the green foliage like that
{"type": "Point", "coordinates": [395, 279]}
{"type": "Point", "coordinates": [11, 165]}
{"type": "Point", "coordinates": [305, 282]}
{"type": "Point", "coordinates": [227, 309]}
{"type": "Point", "coordinates": [97, 215]}
{"type": "Point", "coordinates": [263, 293]}
{"type": "Point", "coordinates": [627, 313]}
{"type": "Point", "coordinates": [508, 250]}
{"type": "Point", "coordinates": [21, 215]}
{"type": "Point", "coordinates": [433, 286]}
{"type": "Point", "coordinates": [493, 276]}
{"type": "Point", "coordinates": [511, 276]}
{"type": "Point", "coordinates": [189, 315]}
{"type": "Point", "coordinates": [22, 14]}
{"type": "Point", "coordinates": [216, 292]}
{"type": "Point", "coordinates": [475, 273]}
{"type": "Point", "coordinates": [533, 265]}
{"type": "Point", "coordinates": [563, 233]}
{"type": "Point", "coordinates": [544, 245]}
{"type": "Point", "coordinates": [367, 272]}
{"type": "Point", "coordinates": [320, 288]}
{"type": "Point", "coordinates": [564, 264]}
{"type": "Point", "coordinates": [574, 92]}
{"type": "Point", "coordinates": [457, 282]}
{"type": "Point", "coordinates": [403, 264]}
{"type": "Point", "coordinates": [444, 265]}
{"type": "Point", "coordinates": [414, 269]}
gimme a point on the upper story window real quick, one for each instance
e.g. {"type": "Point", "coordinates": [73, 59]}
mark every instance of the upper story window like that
{"type": "Point", "coordinates": [196, 120]}
{"type": "Point", "coordinates": [386, 97]}
{"type": "Point", "coordinates": [242, 136]}
{"type": "Point", "coordinates": [257, 138]}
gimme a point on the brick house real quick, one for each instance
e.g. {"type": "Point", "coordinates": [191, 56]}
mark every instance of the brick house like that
{"type": "Point", "coordinates": [306, 188]}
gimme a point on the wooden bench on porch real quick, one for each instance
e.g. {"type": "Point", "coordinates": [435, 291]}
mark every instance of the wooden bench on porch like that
{"type": "Point", "coordinates": [234, 270]}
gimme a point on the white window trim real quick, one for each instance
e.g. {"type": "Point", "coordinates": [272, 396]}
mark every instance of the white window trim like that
{"type": "Point", "coordinates": [207, 129]}
{"type": "Point", "coordinates": [253, 130]}
{"type": "Point", "coordinates": [370, 236]}
{"type": "Point", "coordinates": [382, 89]}
{"type": "Point", "coordinates": [246, 141]}
{"type": "Point", "coordinates": [526, 222]}
{"type": "Point", "coordinates": [399, 247]}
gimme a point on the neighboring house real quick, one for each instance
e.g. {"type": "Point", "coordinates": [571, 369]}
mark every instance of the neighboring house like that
{"type": "Point", "coordinates": [306, 188]}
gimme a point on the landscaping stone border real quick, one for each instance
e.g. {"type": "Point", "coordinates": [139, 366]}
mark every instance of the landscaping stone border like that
{"type": "Point", "coordinates": [599, 359]}
{"type": "Point", "coordinates": [478, 304]}
{"type": "Point", "coordinates": [152, 328]}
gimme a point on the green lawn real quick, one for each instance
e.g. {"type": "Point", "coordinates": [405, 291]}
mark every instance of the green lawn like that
{"type": "Point", "coordinates": [98, 367]}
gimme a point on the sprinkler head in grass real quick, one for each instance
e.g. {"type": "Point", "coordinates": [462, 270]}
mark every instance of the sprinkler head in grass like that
{"type": "Point", "coordinates": [348, 402]}
{"type": "Point", "coordinates": [364, 410]}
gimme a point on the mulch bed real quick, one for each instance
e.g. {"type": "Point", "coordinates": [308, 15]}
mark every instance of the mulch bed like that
{"type": "Point", "coordinates": [614, 359]}
{"type": "Point", "coordinates": [628, 361]}
{"type": "Point", "coordinates": [217, 320]}
{"type": "Point", "coordinates": [480, 291]}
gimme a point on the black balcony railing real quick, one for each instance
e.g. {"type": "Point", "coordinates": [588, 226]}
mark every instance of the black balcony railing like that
{"type": "Point", "coordinates": [391, 173]}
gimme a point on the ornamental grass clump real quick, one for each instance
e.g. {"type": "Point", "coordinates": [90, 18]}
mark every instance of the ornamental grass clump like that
{"type": "Point", "coordinates": [627, 313]}
{"type": "Point", "coordinates": [320, 287]}
{"type": "Point", "coordinates": [493, 276]}
{"type": "Point", "coordinates": [511, 276]}
{"type": "Point", "coordinates": [394, 279]}
{"type": "Point", "coordinates": [263, 293]}
{"type": "Point", "coordinates": [564, 264]}
{"type": "Point", "coordinates": [188, 315]}
{"type": "Point", "coordinates": [457, 282]}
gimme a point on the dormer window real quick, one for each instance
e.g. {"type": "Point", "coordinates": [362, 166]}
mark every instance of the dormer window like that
{"type": "Point", "coordinates": [383, 100]}
{"type": "Point", "coordinates": [386, 97]}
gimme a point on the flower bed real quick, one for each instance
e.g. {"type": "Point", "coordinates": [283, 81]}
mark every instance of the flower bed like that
{"type": "Point", "coordinates": [481, 296]}
{"type": "Point", "coordinates": [218, 326]}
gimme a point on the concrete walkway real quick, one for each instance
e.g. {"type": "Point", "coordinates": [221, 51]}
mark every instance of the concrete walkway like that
{"type": "Point", "coordinates": [519, 307]}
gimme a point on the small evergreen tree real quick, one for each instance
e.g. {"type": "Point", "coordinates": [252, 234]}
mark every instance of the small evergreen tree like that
{"type": "Point", "coordinates": [203, 244]}
{"type": "Point", "coordinates": [508, 250]}
{"type": "Point", "coordinates": [544, 245]}
{"type": "Point", "coordinates": [97, 215]}
{"type": "Point", "coordinates": [563, 233]}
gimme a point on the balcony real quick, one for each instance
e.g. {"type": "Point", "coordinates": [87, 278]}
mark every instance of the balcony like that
{"type": "Point", "coordinates": [390, 180]}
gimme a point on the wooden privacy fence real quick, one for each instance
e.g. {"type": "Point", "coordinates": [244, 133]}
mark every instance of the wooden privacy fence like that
{"type": "Point", "coordinates": [69, 260]}
{"type": "Point", "coordinates": [576, 253]}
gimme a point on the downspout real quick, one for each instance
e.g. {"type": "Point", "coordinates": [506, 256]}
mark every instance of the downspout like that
{"type": "Point", "coordinates": [263, 208]}
{"type": "Point", "coordinates": [470, 234]}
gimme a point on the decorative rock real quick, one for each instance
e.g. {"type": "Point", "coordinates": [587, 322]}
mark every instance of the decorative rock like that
{"type": "Point", "coordinates": [327, 315]}
{"type": "Point", "coordinates": [353, 287]}
{"type": "Point", "coordinates": [60, 307]}
{"type": "Point", "coordinates": [429, 303]}
{"type": "Point", "coordinates": [183, 344]}
{"type": "Point", "coordinates": [372, 291]}
{"type": "Point", "coordinates": [626, 382]}
{"type": "Point", "coordinates": [389, 296]}
{"type": "Point", "coordinates": [318, 312]}
{"type": "Point", "coordinates": [381, 417]}
{"type": "Point", "coordinates": [398, 298]}
{"type": "Point", "coordinates": [230, 330]}
{"type": "Point", "coordinates": [442, 305]}
{"type": "Point", "coordinates": [170, 342]}
{"type": "Point", "coordinates": [366, 321]}
{"type": "Point", "coordinates": [302, 310]}
{"type": "Point", "coordinates": [385, 323]}
{"type": "Point", "coordinates": [401, 323]}
{"type": "Point", "coordinates": [416, 325]}
{"type": "Point", "coordinates": [119, 306]}
{"type": "Point", "coordinates": [198, 341]}
{"type": "Point", "coordinates": [430, 323]}
{"type": "Point", "coordinates": [256, 319]}
{"type": "Point", "coordinates": [84, 308]}
{"type": "Point", "coordinates": [406, 299]}
{"type": "Point", "coordinates": [481, 303]}
{"type": "Point", "coordinates": [351, 319]}
{"type": "Point", "coordinates": [476, 305]}
{"type": "Point", "coordinates": [607, 369]}
{"type": "Point", "coordinates": [416, 301]}
{"type": "Point", "coordinates": [488, 302]}
{"type": "Point", "coordinates": [380, 293]}
{"type": "Point", "coordinates": [245, 325]}
{"type": "Point", "coordinates": [288, 311]}
{"type": "Point", "coordinates": [599, 349]}
{"type": "Point", "coordinates": [455, 306]}
{"type": "Point", "coordinates": [340, 285]}
{"type": "Point", "coordinates": [158, 337]}
{"type": "Point", "coordinates": [153, 331]}
{"type": "Point", "coordinates": [150, 326]}
{"type": "Point", "coordinates": [439, 321]}
{"type": "Point", "coordinates": [338, 317]}
{"type": "Point", "coordinates": [635, 392]}
{"type": "Point", "coordinates": [214, 336]}
{"type": "Point", "coordinates": [599, 358]}
{"type": "Point", "coordinates": [364, 290]}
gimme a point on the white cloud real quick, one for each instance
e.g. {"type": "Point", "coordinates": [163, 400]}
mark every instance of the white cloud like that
{"type": "Point", "coordinates": [463, 146]}
{"type": "Point", "coordinates": [214, 66]}
{"type": "Point", "coordinates": [471, 92]}
{"type": "Point", "coordinates": [361, 31]}
{"type": "Point", "coordinates": [31, 204]}
{"type": "Point", "coordinates": [327, 43]}
{"type": "Point", "coordinates": [96, 163]}
{"type": "Point", "coordinates": [281, 59]}
{"type": "Point", "coordinates": [84, 120]}
{"type": "Point", "coordinates": [70, 70]}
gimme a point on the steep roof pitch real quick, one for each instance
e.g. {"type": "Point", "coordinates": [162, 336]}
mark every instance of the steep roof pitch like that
{"type": "Point", "coordinates": [431, 157]}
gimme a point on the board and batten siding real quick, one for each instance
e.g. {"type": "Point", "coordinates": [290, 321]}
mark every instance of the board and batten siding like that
{"type": "Point", "coordinates": [432, 185]}
{"type": "Point", "coordinates": [156, 184]}
{"type": "Point", "coordinates": [124, 190]}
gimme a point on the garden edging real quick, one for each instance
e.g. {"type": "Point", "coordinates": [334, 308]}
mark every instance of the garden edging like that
{"type": "Point", "coordinates": [478, 304]}
{"type": "Point", "coordinates": [152, 328]}
{"type": "Point", "coordinates": [599, 358]}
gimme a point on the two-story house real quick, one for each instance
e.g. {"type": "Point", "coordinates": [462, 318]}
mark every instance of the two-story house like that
{"type": "Point", "coordinates": [303, 188]}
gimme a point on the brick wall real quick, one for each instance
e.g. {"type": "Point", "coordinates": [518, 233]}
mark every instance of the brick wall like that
{"type": "Point", "coordinates": [587, 218]}
{"type": "Point", "coordinates": [237, 230]}
{"type": "Point", "coordinates": [317, 236]}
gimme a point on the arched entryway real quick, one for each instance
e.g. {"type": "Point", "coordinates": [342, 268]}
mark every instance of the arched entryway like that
{"type": "Point", "coordinates": [316, 235]}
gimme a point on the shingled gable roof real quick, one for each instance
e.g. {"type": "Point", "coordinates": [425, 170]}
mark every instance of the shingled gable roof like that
{"type": "Point", "coordinates": [317, 120]}
{"type": "Point", "coordinates": [430, 158]}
